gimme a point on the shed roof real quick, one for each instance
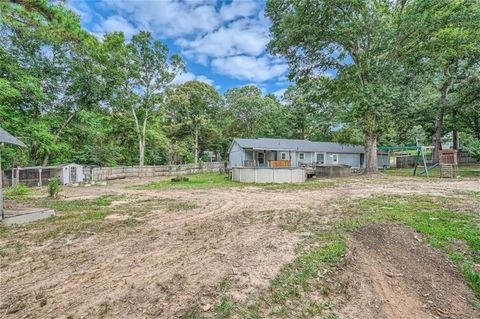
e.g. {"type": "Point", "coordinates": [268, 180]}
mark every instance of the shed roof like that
{"type": "Point", "coordinates": [297, 145]}
{"type": "Point", "coordinates": [47, 167]}
{"type": "Point", "coordinates": [6, 137]}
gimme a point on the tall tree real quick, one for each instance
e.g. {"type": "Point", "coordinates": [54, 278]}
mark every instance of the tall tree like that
{"type": "Point", "coordinates": [365, 44]}
{"type": "Point", "coordinates": [244, 106]}
{"type": "Point", "coordinates": [193, 104]}
{"type": "Point", "coordinates": [141, 71]}
{"type": "Point", "coordinates": [450, 46]}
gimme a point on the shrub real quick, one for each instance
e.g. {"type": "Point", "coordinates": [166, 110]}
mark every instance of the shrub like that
{"type": "Point", "coordinates": [53, 187]}
{"type": "Point", "coordinates": [16, 191]}
{"type": "Point", "coordinates": [180, 179]}
{"type": "Point", "coordinates": [473, 148]}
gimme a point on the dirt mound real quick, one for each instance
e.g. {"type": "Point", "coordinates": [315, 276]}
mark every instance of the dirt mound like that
{"type": "Point", "coordinates": [392, 273]}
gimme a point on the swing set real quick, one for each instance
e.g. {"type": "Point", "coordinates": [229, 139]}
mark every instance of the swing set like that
{"type": "Point", "coordinates": [420, 159]}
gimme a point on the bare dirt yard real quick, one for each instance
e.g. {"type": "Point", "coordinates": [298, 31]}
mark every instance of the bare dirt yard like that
{"type": "Point", "coordinates": [388, 247]}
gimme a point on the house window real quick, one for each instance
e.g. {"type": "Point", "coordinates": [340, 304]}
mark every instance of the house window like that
{"type": "Point", "coordinates": [321, 158]}
{"type": "Point", "coordinates": [283, 156]}
{"type": "Point", "coordinates": [335, 158]}
{"type": "Point", "coordinates": [301, 156]}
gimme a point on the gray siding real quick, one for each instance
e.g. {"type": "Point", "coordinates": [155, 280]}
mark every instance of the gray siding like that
{"type": "Point", "coordinates": [352, 160]}
{"type": "Point", "coordinates": [236, 156]}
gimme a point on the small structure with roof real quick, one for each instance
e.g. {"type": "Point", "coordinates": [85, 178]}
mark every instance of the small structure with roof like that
{"type": "Point", "coordinates": [66, 174]}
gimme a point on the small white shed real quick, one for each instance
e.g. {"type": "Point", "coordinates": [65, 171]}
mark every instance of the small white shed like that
{"type": "Point", "coordinates": [39, 175]}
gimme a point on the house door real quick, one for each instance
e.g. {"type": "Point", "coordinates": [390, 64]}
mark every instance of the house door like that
{"type": "Point", "coordinates": [261, 158]}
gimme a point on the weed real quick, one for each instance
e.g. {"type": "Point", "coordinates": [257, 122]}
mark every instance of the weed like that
{"type": "Point", "coordinates": [192, 313]}
{"type": "Point", "coordinates": [225, 308]}
{"type": "Point", "coordinates": [53, 187]}
{"type": "Point", "coordinates": [17, 192]}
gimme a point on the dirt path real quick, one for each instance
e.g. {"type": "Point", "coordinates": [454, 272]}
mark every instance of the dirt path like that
{"type": "Point", "coordinates": [393, 273]}
{"type": "Point", "coordinates": [175, 260]}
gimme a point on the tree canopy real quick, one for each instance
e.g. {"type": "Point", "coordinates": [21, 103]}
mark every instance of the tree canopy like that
{"type": "Point", "coordinates": [362, 72]}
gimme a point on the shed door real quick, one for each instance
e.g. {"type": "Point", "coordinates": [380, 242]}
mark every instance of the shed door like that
{"type": "Point", "coordinates": [73, 174]}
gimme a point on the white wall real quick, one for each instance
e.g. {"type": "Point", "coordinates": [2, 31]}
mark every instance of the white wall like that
{"type": "Point", "coordinates": [269, 175]}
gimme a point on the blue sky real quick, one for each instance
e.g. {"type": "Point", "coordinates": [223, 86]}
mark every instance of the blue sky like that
{"type": "Point", "coordinates": [222, 42]}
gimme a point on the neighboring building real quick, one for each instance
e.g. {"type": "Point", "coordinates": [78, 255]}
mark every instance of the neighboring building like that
{"type": "Point", "coordinates": [38, 175]}
{"type": "Point", "coordinates": [272, 152]}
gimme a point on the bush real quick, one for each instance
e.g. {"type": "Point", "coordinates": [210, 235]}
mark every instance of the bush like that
{"type": "Point", "coordinates": [53, 187]}
{"type": "Point", "coordinates": [180, 179]}
{"type": "Point", "coordinates": [473, 147]}
{"type": "Point", "coordinates": [16, 191]}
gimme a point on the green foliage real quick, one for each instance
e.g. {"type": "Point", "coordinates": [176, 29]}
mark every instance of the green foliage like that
{"type": "Point", "coordinates": [473, 147]}
{"type": "Point", "coordinates": [16, 192]}
{"type": "Point", "coordinates": [384, 59]}
{"type": "Point", "coordinates": [53, 187]}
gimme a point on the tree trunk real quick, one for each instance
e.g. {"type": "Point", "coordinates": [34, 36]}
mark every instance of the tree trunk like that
{"type": "Point", "coordinates": [46, 158]}
{"type": "Point", "coordinates": [371, 166]}
{"type": "Point", "coordinates": [141, 150]}
{"type": "Point", "coordinates": [437, 136]}
{"type": "Point", "coordinates": [197, 133]}
{"type": "Point", "coordinates": [456, 143]}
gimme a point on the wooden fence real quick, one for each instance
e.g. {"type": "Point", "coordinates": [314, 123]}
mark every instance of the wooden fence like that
{"type": "Point", "coordinates": [108, 173]}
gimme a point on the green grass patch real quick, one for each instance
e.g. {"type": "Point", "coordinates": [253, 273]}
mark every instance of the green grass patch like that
{"type": "Point", "coordinates": [201, 180]}
{"type": "Point", "coordinates": [18, 192]}
{"type": "Point", "coordinates": [216, 180]}
{"type": "Point", "coordinates": [433, 217]}
{"type": "Point", "coordinates": [464, 171]}
{"type": "Point", "coordinates": [72, 217]}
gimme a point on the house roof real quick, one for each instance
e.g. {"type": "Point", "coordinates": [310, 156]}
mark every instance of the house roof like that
{"type": "Point", "coordinates": [6, 137]}
{"type": "Point", "coordinates": [297, 145]}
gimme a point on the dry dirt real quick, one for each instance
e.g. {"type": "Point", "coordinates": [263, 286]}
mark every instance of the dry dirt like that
{"type": "Point", "coordinates": [232, 236]}
{"type": "Point", "coordinates": [393, 273]}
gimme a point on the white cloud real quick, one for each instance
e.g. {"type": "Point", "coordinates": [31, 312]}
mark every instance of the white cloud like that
{"type": "Point", "coordinates": [115, 23]}
{"type": "Point", "coordinates": [188, 76]}
{"type": "Point", "coordinates": [173, 18]}
{"type": "Point", "coordinates": [243, 36]}
{"type": "Point", "coordinates": [257, 69]}
{"type": "Point", "coordinates": [239, 8]}
{"type": "Point", "coordinates": [279, 93]}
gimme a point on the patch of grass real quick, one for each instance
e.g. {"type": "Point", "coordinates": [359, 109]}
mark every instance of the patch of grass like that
{"type": "Point", "coordinates": [295, 277]}
{"type": "Point", "coordinates": [177, 205]}
{"type": "Point", "coordinates": [464, 171]}
{"type": "Point", "coordinates": [72, 218]}
{"type": "Point", "coordinates": [428, 215]}
{"type": "Point", "coordinates": [67, 206]}
{"type": "Point", "coordinates": [216, 180]}
{"type": "Point", "coordinates": [224, 309]}
{"type": "Point", "coordinates": [193, 313]}
{"type": "Point", "coordinates": [201, 180]}
{"type": "Point", "coordinates": [18, 192]}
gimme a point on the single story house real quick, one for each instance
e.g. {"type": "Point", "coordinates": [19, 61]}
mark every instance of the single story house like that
{"type": "Point", "coordinates": [273, 152]}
